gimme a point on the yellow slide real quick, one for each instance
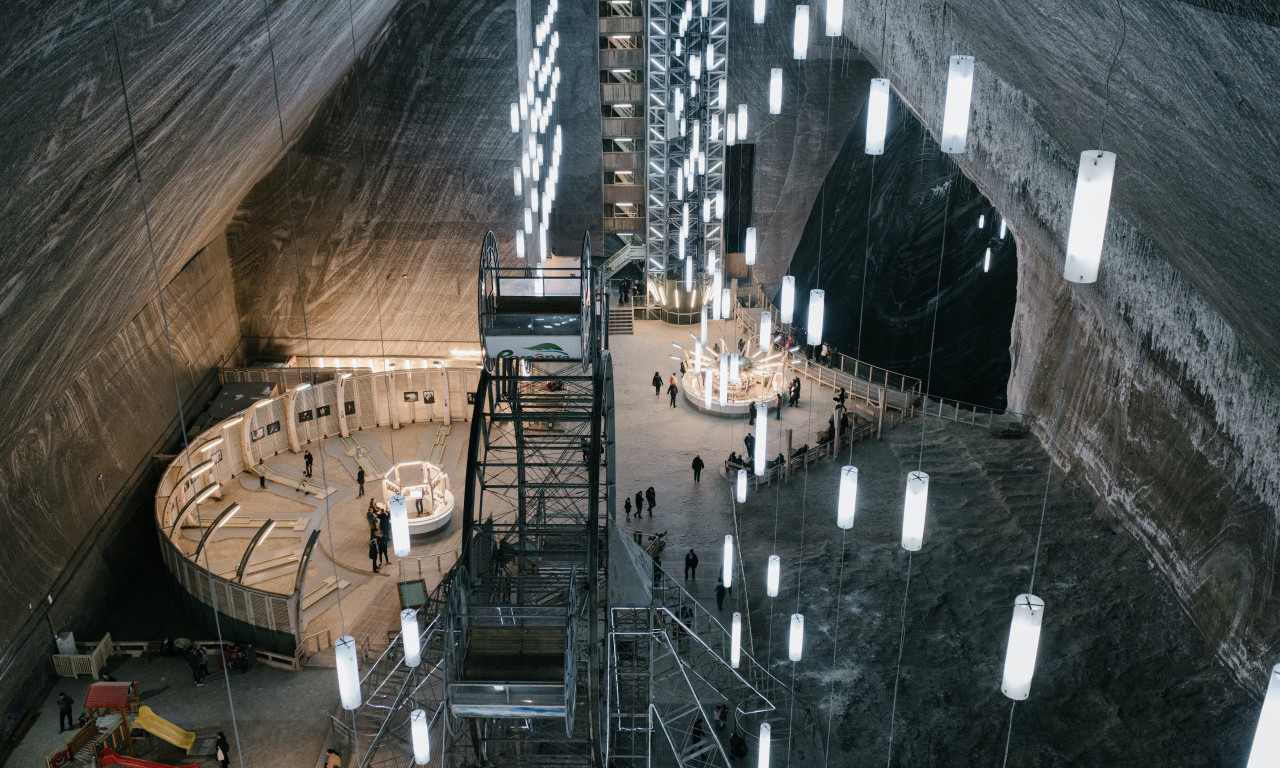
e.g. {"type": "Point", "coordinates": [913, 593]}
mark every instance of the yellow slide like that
{"type": "Point", "coordinates": [156, 725]}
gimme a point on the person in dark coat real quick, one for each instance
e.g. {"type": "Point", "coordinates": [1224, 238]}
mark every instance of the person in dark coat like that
{"type": "Point", "coordinates": [383, 540]}
{"type": "Point", "coordinates": [360, 481]}
{"type": "Point", "coordinates": [372, 516]}
{"type": "Point", "coordinates": [307, 459]}
{"type": "Point", "coordinates": [193, 661]}
{"type": "Point", "coordinates": [384, 522]}
{"type": "Point", "coordinates": [750, 442]}
{"type": "Point", "coordinates": [672, 390]}
{"type": "Point", "coordinates": [657, 384]}
{"type": "Point", "coordinates": [720, 593]}
{"type": "Point", "coordinates": [222, 750]}
{"type": "Point", "coordinates": [640, 505]}
{"type": "Point", "coordinates": [691, 565]}
{"type": "Point", "coordinates": [373, 553]}
{"type": "Point", "coordinates": [841, 397]}
{"type": "Point", "coordinates": [64, 712]}
{"type": "Point", "coordinates": [698, 464]}
{"type": "Point", "coordinates": [627, 507]}
{"type": "Point", "coordinates": [652, 497]}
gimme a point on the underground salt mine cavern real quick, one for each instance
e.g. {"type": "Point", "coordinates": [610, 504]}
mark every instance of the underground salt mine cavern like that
{"type": "Point", "coordinates": [640, 383]}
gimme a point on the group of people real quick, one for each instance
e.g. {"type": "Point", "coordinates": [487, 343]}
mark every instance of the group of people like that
{"type": "Point", "coordinates": [649, 495]}
{"type": "Point", "coordinates": [793, 392]}
{"type": "Point", "coordinates": [672, 389]}
{"type": "Point", "coordinates": [379, 519]}
{"type": "Point", "coordinates": [628, 288]}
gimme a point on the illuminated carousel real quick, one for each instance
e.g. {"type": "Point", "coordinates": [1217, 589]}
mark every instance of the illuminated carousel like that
{"type": "Point", "coordinates": [729, 383]}
{"type": "Point", "coordinates": [424, 490]}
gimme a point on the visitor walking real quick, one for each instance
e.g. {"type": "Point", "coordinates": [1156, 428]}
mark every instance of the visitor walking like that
{"type": "Point", "coordinates": [627, 507]}
{"type": "Point", "coordinates": [193, 662]}
{"type": "Point", "coordinates": [750, 441]}
{"type": "Point", "coordinates": [64, 711]}
{"type": "Point", "coordinates": [223, 750]}
{"type": "Point", "coordinates": [672, 390]}
{"type": "Point", "coordinates": [841, 397]}
{"type": "Point", "coordinates": [360, 481]}
{"type": "Point", "coordinates": [720, 591]}
{"type": "Point", "coordinates": [373, 553]}
{"type": "Point", "coordinates": [204, 661]}
{"type": "Point", "coordinates": [691, 565]}
{"type": "Point", "coordinates": [652, 497]}
{"type": "Point", "coordinates": [698, 464]}
{"type": "Point", "coordinates": [307, 458]}
{"type": "Point", "coordinates": [640, 505]}
{"type": "Point", "coordinates": [657, 384]}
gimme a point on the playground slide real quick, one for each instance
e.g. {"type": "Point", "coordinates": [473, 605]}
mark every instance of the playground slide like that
{"type": "Point", "coordinates": [109, 757]}
{"type": "Point", "coordinates": [157, 726]}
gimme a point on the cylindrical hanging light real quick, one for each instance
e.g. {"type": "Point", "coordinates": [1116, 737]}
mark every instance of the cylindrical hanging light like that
{"type": "Point", "coordinates": [773, 576]}
{"type": "Point", "coordinates": [519, 182]}
{"type": "Point", "coordinates": [955, 115]}
{"type": "Point", "coordinates": [1266, 739]}
{"type": "Point", "coordinates": [795, 643]}
{"type": "Point", "coordinates": [986, 261]}
{"type": "Point", "coordinates": [719, 204]}
{"type": "Point", "coordinates": [399, 524]}
{"type": "Point", "coordinates": [731, 132]}
{"type": "Point", "coordinates": [735, 369]}
{"type": "Point", "coordinates": [722, 94]}
{"type": "Point", "coordinates": [877, 116]}
{"type": "Point", "coordinates": [344, 655]}
{"type": "Point", "coordinates": [788, 302]}
{"type": "Point", "coordinates": [726, 304]}
{"type": "Point", "coordinates": [742, 122]}
{"type": "Point", "coordinates": [775, 91]}
{"type": "Point", "coordinates": [409, 636]}
{"type": "Point", "coordinates": [706, 389]}
{"type": "Point", "coordinates": [421, 735]}
{"type": "Point", "coordinates": [762, 754]}
{"type": "Point", "coordinates": [1024, 642]}
{"type": "Point", "coordinates": [742, 486]}
{"type": "Point", "coordinates": [1089, 215]}
{"type": "Point", "coordinates": [519, 244]}
{"type": "Point", "coordinates": [800, 40]}
{"type": "Point", "coordinates": [749, 246]}
{"type": "Point", "coordinates": [688, 275]}
{"type": "Point", "coordinates": [848, 499]}
{"type": "Point", "coordinates": [717, 295]}
{"type": "Point", "coordinates": [835, 17]}
{"type": "Point", "coordinates": [727, 568]}
{"type": "Point", "coordinates": [724, 380]}
{"type": "Point", "coordinates": [762, 436]}
{"type": "Point", "coordinates": [702, 336]}
{"type": "Point", "coordinates": [515, 117]}
{"type": "Point", "coordinates": [982, 220]}
{"type": "Point", "coordinates": [816, 300]}
{"type": "Point", "coordinates": [1003, 228]}
{"type": "Point", "coordinates": [913, 510]}
{"type": "Point", "coordinates": [735, 640]}
{"type": "Point", "coordinates": [758, 12]}
{"type": "Point", "coordinates": [528, 221]}
{"type": "Point", "coordinates": [766, 332]}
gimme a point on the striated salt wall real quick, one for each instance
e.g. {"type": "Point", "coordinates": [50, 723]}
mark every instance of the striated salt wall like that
{"type": "Point", "coordinates": [1171, 415]}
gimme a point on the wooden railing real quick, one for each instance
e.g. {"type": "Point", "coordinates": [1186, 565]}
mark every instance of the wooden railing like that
{"type": "Point", "coordinates": [961, 412]}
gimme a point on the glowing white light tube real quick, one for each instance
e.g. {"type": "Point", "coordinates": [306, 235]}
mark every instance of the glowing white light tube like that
{"type": "Point", "coordinates": [773, 576]}
{"type": "Point", "coordinates": [848, 498]}
{"type": "Point", "coordinates": [877, 116]}
{"type": "Point", "coordinates": [727, 568]}
{"type": "Point", "coordinates": [788, 302]}
{"type": "Point", "coordinates": [913, 509]}
{"type": "Point", "coordinates": [1089, 216]}
{"type": "Point", "coordinates": [344, 654]}
{"type": "Point", "coordinates": [775, 92]}
{"type": "Point", "coordinates": [795, 643]}
{"type": "Point", "coordinates": [955, 115]}
{"type": "Point", "coordinates": [1024, 642]}
{"type": "Point", "coordinates": [735, 640]}
{"type": "Point", "coordinates": [409, 636]}
{"type": "Point", "coordinates": [399, 525]}
{"type": "Point", "coordinates": [816, 301]}
{"type": "Point", "coordinates": [800, 39]}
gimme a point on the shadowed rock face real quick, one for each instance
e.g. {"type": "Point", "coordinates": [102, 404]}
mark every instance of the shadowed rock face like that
{"type": "Point", "coordinates": [912, 271]}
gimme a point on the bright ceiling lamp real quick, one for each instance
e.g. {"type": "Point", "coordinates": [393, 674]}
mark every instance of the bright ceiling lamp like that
{"type": "Point", "coordinates": [955, 115]}
{"type": "Point", "coordinates": [1024, 642]}
{"type": "Point", "coordinates": [758, 12]}
{"type": "Point", "coordinates": [835, 17]}
{"type": "Point", "coordinates": [742, 122]}
{"type": "Point", "coordinates": [877, 116]}
{"type": "Point", "coordinates": [788, 301]}
{"type": "Point", "coordinates": [515, 117]}
{"type": "Point", "coordinates": [742, 486]}
{"type": "Point", "coordinates": [773, 576]}
{"type": "Point", "coordinates": [731, 131]}
{"type": "Point", "coordinates": [344, 655]}
{"type": "Point", "coordinates": [722, 94]}
{"type": "Point", "coordinates": [726, 303]}
{"type": "Point", "coordinates": [762, 437]}
{"type": "Point", "coordinates": [766, 735]}
{"type": "Point", "coordinates": [706, 389]}
{"type": "Point", "coordinates": [695, 66]}
{"type": "Point", "coordinates": [735, 639]}
{"type": "Point", "coordinates": [409, 637]}
{"type": "Point", "coordinates": [982, 220]}
{"type": "Point", "coordinates": [795, 643]}
{"type": "Point", "coordinates": [720, 205]}
{"type": "Point", "coordinates": [986, 261]}
{"type": "Point", "coordinates": [519, 244]}
{"type": "Point", "coordinates": [726, 569]}
{"type": "Point", "coordinates": [519, 182]}
{"type": "Point", "coordinates": [724, 380]}
{"type": "Point", "coordinates": [766, 332]}
{"type": "Point", "coordinates": [816, 301]}
{"type": "Point", "coordinates": [702, 337]}
{"type": "Point", "coordinates": [800, 40]}
{"type": "Point", "coordinates": [421, 735]}
{"type": "Point", "coordinates": [913, 509]}
{"type": "Point", "coordinates": [688, 275]}
{"type": "Point", "coordinates": [848, 498]}
{"type": "Point", "coordinates": [749, 246]}
{"type": "Point", "coordinates": [775, 91]}
{"type": "Point", "coordinates": [735, 369]}
{"type": "Point", "coordinates": [1089, 215]}
{"type": "Point", "coordinates": [399, 524]}
{"type": "Point", "coordinates": [1266, 740]}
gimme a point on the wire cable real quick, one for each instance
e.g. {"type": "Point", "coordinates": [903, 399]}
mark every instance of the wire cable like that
{"type": "Point", "coordinates": [168, 337]}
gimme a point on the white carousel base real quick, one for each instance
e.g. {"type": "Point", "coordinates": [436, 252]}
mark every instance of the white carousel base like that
{"type": "Point", "coordinates": [434, 521]}
{"type": "Point", "coordinates": [731, 408]}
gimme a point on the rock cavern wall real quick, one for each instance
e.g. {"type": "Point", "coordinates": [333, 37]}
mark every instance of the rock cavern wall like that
{"type": "Point", "coordinates": [88, 389]}
{"type": "Point", "coordinates": [391, 203]}
{"type": "Point", "coordinates": [1171, 407]}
